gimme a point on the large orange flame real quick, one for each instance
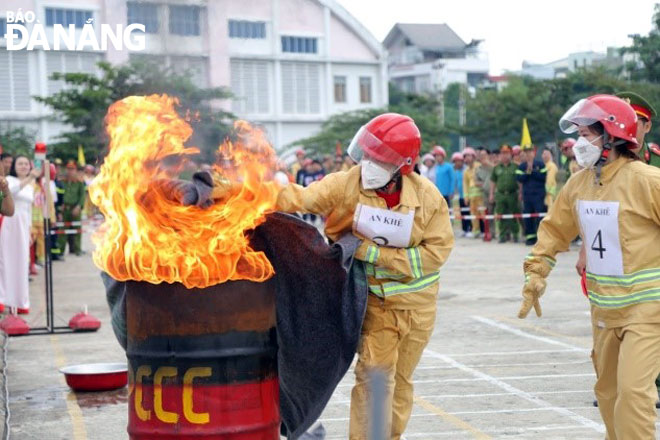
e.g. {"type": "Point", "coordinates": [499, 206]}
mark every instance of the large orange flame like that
{"type": "Point", "coordinates": [148, 237]}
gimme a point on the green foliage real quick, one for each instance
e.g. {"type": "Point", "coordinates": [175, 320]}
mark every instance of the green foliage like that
{"type": "Point", "coordinates": [496, 117]}
{"type": "Point", "coordinates": [339, 127]}
{"type": "Point", "coordinates": [343, 126]}
{"type": "Point", "coordinates": [84, 103]}
{"type": "Point", "coordinates": [647, 49]}
{"type": "Point", "coordinates": [17, 141]}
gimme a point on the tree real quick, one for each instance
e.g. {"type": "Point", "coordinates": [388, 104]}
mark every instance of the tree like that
{"type": "Point", "coordinates": [343, 126]}
{"type": "Point", "coordinates": [647, 50]}
{"type": "Point", "coordinates": [84, 103]}
{"type": "Point", "coordinates": [17, 140]}
{"type": "Point", "coordinates": [495, 117]}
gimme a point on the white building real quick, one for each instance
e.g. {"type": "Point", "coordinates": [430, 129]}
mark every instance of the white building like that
{"type": "Point", "coordinates": [426, 58]}
{"type": "Point", "coordinates": [290, 63]}
{"type": "Point", "coordinates": [561, 67]}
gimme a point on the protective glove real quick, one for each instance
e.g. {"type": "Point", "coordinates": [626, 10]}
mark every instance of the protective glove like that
{"type": "Point", "coordinates": [532, 290]}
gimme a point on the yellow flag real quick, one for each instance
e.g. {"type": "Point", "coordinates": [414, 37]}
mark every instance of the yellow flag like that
{"type": "Point", "coordinates": [526, 140]}
{"type": "Point", "coordinates": [81, 156]}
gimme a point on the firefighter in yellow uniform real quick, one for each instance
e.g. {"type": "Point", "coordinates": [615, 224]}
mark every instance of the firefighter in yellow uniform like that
{"type": "Point", "coordinates": [550, 178]}
{"type": "Point", "coordinates": [473, 192]}
{"type": "Point", "coordinates": [407, 234]}
{"type": "Point", "coordinates": [614, 203]}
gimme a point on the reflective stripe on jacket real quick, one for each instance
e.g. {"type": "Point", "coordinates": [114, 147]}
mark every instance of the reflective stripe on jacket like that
{"type": "Point", "coordinates": [391, 271]}
{"type": "Point", "coordinates": [616, 300]}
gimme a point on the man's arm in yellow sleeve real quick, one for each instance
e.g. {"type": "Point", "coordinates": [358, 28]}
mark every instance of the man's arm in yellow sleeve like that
{"type": "Point", "coordinates": [318, 198]}
{"type": "Point", "coordinates": [415, 262]}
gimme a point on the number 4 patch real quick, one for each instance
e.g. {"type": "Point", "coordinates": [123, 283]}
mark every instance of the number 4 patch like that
{"type": "Point", "coordinates": [600, 249]}
{"type": "Point", "coordinates": [599, 222]}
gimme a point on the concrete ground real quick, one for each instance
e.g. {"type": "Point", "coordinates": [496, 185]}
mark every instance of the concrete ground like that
{"type": "Point", "coordinates": [485, 374]}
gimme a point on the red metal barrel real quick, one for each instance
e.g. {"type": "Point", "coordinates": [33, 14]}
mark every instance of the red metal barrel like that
{"type": "Point", "coordinates": [202, 362]}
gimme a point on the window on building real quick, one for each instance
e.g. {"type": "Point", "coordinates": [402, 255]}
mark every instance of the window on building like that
{"type": "Point", "coordinates": [247, 29]}
{"type": "Point", "coordinates": [184, 20]}
{"type": "Point", "coordinates": [249, 83]}
{"type": "Point", "coordinates": [69, 62]}
{"type": "Point", "coordinates": [194, 67]}
{"type": "Point", "coordinates": [65, 17]}
{"type": "Point", "coordinates": [301, 88]}
{"type": "Point", "coordinates": [299, 44]}
{"type": "Point", "coordinates": [3, 28]}
{"type": "Point", "coordinates": [340, 88]}
{"type": "Point", "coordinates": [143, 13]}
{"type": "Point", "coordinates": [15, 80]}
{"type": "Point", "coordinates": [365, 89]}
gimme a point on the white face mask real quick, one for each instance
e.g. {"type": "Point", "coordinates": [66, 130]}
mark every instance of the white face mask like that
{"type": "Point", "coordinates": [373, 175]}
{"type": "Point", "coordinates": [586, 153]}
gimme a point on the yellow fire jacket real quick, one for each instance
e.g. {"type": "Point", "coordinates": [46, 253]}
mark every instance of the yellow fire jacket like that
{"type": "Point", "coordinates": [470, 188]}
{"type": "Point", "coordinates": [404, 278]}
{"type": "Point", "coordinates": [619, 221]}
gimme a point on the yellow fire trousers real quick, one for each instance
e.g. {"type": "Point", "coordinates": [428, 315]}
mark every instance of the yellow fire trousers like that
{"type": "Point", "coordinates": [627, 361]}
{"type": "Point", "coordinates": [392, 341]}
{"type": "Point", "coordinates": [475, 204]}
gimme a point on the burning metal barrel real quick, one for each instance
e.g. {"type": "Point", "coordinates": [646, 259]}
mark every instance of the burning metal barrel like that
{"type": "Point", "coordinates": [202, 362]}
{"type": "Point", "coordinates": [200, 302]}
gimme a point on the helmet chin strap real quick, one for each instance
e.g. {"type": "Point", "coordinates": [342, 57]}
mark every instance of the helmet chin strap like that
{"type": "Point", "coordinates": [607, 150]}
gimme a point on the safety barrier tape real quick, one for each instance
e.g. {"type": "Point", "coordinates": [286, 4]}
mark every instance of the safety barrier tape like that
{"type": "Point", "coordinates": [58, 228]}
{"type": "Point", "coordinates": [65, 231]}
{"type": "Point", "coordinates": [498, 216]}
{"type": "Point", "coordinates": [64, 224]}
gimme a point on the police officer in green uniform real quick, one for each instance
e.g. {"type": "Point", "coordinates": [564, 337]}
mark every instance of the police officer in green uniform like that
{"type": "Point", "coordinates": [72, 194]}
{"type": "Point", "coordinates": [645, 112]}
{"type": "Point", "coordinates": [504, 193]}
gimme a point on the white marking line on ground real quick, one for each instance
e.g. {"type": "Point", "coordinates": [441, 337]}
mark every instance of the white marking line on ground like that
{"type": "Point", "coordinates": [492, 411]}
{"type": "Point", "coordinates": [524, 364]}
{"type": "Point", "coordinates": [512, 353]}
{"type": "Point", "coordinates": [520, 393]}
{"type": "Point", "coordinates": [459, 396]}
{"type": "Point", "coordinates": [478, 379]}
{"type": "Point", "coordinates": [524, 334]}
{"type": "Point", "coordinates": [429, 435]}
{"type": "Point", "coordinates": [504, 411]}
{"type": "Point", "coordinates": [493, 431]}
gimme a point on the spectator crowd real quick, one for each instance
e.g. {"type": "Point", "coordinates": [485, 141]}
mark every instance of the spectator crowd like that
{"type": "Point", "coordinates": [25, 199]}
{"type": "Point", "coordinates": [516, 184]}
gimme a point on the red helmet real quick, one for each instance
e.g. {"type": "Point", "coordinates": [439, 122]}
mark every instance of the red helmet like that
{"type": "Point", "coordinates": [456, 156]}
{"type": "Point", "coordinates": [469, 150]}
{"type": "Point", "coordinates": [390, 138]}
{"type": "Point", "coordinates": [617, 116]}
{"type": "Point", "coordinates": [439, 150]}
{"type": "Point", "coordinates": [568, 143]}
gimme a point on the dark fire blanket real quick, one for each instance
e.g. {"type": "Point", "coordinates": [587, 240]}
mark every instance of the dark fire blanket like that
{"type": "Point", "coordinates": [321, 301]}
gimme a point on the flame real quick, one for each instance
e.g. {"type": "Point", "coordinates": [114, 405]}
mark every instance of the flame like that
{"type": "Point", "coordinates": [148, 237]}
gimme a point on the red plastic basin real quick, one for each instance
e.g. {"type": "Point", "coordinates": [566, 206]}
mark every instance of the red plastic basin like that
{"type": "Point", "coordinates": [96, 377]}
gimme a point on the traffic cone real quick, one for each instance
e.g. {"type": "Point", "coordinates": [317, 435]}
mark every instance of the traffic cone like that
{"type": "Point", "coordinates": [84, 322]}
{"type": "Point", "coordinates": [13, 325]}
